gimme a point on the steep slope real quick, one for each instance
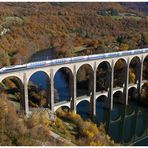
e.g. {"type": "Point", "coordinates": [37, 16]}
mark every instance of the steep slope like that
{"type": "Point", "coordinates": [26, 28]}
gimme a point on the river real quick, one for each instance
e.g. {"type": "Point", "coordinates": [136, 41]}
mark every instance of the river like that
{"type": "Point", "coordinates": [127, 125]}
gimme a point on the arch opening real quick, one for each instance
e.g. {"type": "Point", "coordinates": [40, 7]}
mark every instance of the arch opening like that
{"type": "Point", "coordinates": [145, 68]}
{"type": "Point", "coordinates": [102, 102]}
{"type": "Point", "coordinates": [134, 68]}
{"type": "Point", "coordinates": [144, 94]}
{"type": "Point", "coordinates": [61, 110]}
{"type": "Point", "coordinates": [132, 94]}
{"type": "Point", "coordinates": [103, 76]}
{"type": "Point", "coordinates": [14, 88]}
{"type": "Point", "coordinates": [84, 80]}
{"type": "Point", "coordinates": [39, 90]}
{"type": "Point", "coordinates": [83, 109]}
{"type": "Point", "coordinates": [118, 97]}
{"type": "Point", "coordinates": [119, 73]}
{"type": "Point", "coordinates": [63, 85]}
{"type": "Point", "coordinates": [118, 101]}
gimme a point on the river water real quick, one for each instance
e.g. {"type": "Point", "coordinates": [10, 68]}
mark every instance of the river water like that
{"type": "Point", "coordinates": [127, 125]}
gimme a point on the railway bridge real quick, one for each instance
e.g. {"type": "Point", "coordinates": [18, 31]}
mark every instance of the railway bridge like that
{"type": "Point", "coordinates": [24, 76]}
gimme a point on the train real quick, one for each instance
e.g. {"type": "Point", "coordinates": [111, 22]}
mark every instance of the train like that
{"type": "Point", "coordinates": [71, 60]}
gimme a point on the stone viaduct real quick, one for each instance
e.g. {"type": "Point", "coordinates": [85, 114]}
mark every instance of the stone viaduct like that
{"type": "Point", "coordinates": [24, 76]}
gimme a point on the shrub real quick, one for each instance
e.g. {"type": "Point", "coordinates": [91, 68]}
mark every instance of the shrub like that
{"type": "Point", "coordinates": [73, 117]}
{"type": "Point", "coordinates": [22, 131]}
{"type": "Point", "coordinates": [88, 132]}
{"type": "Point", "coordinates": [60, 113]}
{"type": "Point", "coordinates": [88, 129]}
{"type": "Point", "coordinates": [59, 124]}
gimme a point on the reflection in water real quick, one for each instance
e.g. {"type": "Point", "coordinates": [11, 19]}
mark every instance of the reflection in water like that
{"type": "Point", "coordinates": [140, 124]}
{"type": "Point", "coordinates": [125, 124]}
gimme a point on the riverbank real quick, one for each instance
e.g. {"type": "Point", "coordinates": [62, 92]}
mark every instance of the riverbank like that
{"type": "Point", "coordinates": [43, 127]}
{"type": "Point", "coordinates": [86, 132]}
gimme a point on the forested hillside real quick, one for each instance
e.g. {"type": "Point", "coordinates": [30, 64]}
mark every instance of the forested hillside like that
{"type": "Point", "coordinates": [70, 29]}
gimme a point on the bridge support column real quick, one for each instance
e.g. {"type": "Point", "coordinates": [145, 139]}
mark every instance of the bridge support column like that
{"type": "Point", "coordinates": [51, 91]}
{"type": "Point", "coordinates": [22, 100]}
{"type": "Point", "coordinates": [93, 95]}
{"type": "Point", "coordinates": [126, 83]}
{"type": "Point", "coordinates": [26, 105]}
{"type": "Point", "coordinates": [110, 93]}
{"type": "Point", "coordinates": [73, 103]}
{"type": "Point", "coordinates": [48, 93]}
{"type": "Point", "coordinates": [140, 69]}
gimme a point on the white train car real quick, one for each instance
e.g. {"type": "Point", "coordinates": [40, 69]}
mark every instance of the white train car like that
{"type": "Point", "coordinates": [36, 64]}
{"type": "Point", "coordinates": [49, 62]}
{"type": "Point", "coordinates": [12, 68]}
{"type": "Point", "coordinates": [79, 58]}
{"type": "Point", "coordinates": [73, 59]}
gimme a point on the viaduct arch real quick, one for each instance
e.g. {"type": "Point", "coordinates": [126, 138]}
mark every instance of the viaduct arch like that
{"type": "Point", "coordinates": [93, 93]}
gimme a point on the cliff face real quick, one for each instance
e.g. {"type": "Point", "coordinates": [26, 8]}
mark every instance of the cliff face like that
{"type": "Point", "coordinates": [26, 28]}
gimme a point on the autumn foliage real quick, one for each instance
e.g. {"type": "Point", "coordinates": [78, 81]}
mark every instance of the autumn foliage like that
{"type": "Point", "coordinates": [18, 130]}
{"type": "Point", "coordinates": [26, 28]}
{"type": "Point", "coordinates": [89, 134]}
